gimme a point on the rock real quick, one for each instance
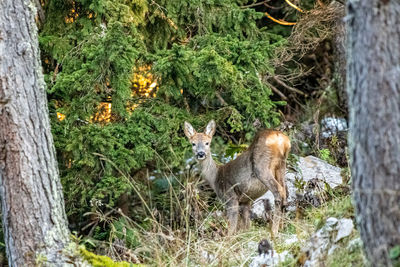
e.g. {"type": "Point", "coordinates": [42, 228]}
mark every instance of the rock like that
{"type": "Point", "coordinates": [332, 126]}
{"type": "Point", "coordinates": [306, 131]}
{"type": "Point", "coordinates": [272, 258]}
{"type": "Point", "coordinates": [311, 167]}
{"type": "Point", "coordinates": [291, 239]}
{"type": "Point", "coordinates": [344, 228]}
{"type": "Point", "coordinates": [284, 255]}
{"type": "Point", "coordinates": [313, 173]}
{"type": "Point", "coordinates": [263, 260]}
{"type": "Point", "coordinates": [329, 127]}
{"type": "Point", "coordinates": [322, 242]}
{"type": "Point", "coordinates": [218, 214]}
{"type": "Point", "coordinates": [331, 222]}
{"type": "Point", "coordinates": [207, 256]}
{"type": "Point", "coordinates": [267, 256]}
{"type": "Point", "coordinates": [263, 206]}
{"type": "Point", "coordinates": [318, 245]}
{"type": "Point", "coordinates": [332, 249]}
{"type": "Point", "coordinates": [314, 193]}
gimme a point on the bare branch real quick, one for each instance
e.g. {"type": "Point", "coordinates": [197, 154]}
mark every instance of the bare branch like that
{"type": "Point", "coordinates": [255, 4]}
{"type": "Point", "coordinates": [288, 87]}
{"type": "Point", "coordinates": [221, 100]}
{"type": "Point", "coordinates": [276, 90]}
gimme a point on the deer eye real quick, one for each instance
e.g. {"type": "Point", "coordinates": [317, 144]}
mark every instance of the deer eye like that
{"type": "Point", "coordinates": [207, 144]}
{"type": "Point", "coordinates": [193, 144]}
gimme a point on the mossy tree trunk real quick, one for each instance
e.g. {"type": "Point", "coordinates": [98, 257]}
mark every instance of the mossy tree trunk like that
{"type": "Point", "coordinates": [34, 220]}
{"type": "Point", "coordinates": [373, 85]}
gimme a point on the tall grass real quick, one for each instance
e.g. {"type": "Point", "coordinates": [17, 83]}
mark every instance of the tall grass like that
{"type": "Point", "coordinates": [184, 226]}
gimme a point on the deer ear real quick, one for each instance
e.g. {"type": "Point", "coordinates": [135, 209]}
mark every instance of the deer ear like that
{"type": "Point", "coordinates": [210, 129]}
{"type": "Point", "coordinates": [189, 131]}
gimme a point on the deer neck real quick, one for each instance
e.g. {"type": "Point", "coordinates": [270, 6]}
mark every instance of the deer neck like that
{"type": "Point", "coordinates": [209, 171]}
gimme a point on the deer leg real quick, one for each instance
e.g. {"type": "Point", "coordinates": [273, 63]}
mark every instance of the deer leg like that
{"type": "Point", "coordinates": [279, 195]}
{"type": "Point", "coordinates": [279, 191]}
{"type": "Point", "coordinates": [276, 222]}
{"type": "Point", "coordinates": [280, 172]}
{"type": "Point", "coordinates": [268, 177]}
{"type": "Point", "coordinates": [274, 186]}
{"type": "Point", "coordinates": [244, 220]}
{"type": "Point", "coordinates": [232, 211]}
{"type": "Point", "coordinates": [246, 215]}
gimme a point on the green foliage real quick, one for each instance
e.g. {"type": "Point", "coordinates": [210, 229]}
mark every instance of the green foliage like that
{"type": "Point", "coordinates": [394, 255]}
{"type": "Point", "coordinates": [233, 149]}
{"type": "Point", "coordinates": [209, 59]}
{"type": "Point", "coordinates": [325, 154]}
{"type": "Point", "coordinates": [394, 252]}
{"type": "Point", "coordinates": [299, 184]}
{"type": "Point", "coordinates": [125, 232]}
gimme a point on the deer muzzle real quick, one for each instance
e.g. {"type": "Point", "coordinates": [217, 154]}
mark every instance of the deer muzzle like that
{"type": "Point", "coordinates": [201, 155]}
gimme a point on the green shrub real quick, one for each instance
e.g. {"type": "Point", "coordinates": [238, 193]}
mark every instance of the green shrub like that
{"type": "Point", "coordinates": [208, 58]}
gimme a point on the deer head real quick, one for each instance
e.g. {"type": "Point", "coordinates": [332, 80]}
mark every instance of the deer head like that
{"type": "Point", "coordinates": [201, 142]}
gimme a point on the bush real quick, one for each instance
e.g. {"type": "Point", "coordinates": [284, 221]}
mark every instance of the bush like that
{"type": "Point", "coordinates": [156, 65]}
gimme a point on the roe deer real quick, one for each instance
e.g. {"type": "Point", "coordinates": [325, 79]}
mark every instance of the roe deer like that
{"type": "Point", "coordinates": [258, 169]}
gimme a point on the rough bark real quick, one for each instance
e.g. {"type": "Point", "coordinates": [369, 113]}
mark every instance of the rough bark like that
{"type": "Point", "coordinates": [34, 220]}
{"type": "Point", "coordinates": [339, 44]}
{"type": "Point", "coordinates": [373, 86]}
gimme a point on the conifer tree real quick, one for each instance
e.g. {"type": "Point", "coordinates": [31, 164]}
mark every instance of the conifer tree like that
{"type": "Point", "coordinates": [202, 59]}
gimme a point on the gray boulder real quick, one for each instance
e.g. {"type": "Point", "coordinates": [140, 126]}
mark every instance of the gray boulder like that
{"type": "Point", "coordinates": [323, 242]}
{"type": "Point", "coordinates": [272, 258]}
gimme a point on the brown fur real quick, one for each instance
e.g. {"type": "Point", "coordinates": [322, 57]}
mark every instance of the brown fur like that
{"type": "Point", "coordinates": [259, 169]}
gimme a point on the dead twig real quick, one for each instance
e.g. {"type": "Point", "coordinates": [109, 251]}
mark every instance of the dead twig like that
{"type": "Point", "coordinates": [255, 4]}
{"type": "Point", "coordinates": [288, 87]}
{"type": "Point", "coordinates": [221, 100]}
{"type": "Point", "coordinates": [276, 90]}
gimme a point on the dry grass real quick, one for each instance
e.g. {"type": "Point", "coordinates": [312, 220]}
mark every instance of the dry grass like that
{"type": "Point", "coordinates": [190, 229]}
{"type": "Point", "coordinates": [205, 245]}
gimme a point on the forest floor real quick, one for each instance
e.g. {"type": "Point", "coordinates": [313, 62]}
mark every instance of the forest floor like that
{"type": "Point", "coordinates": [240, 249]}
{"type": "Point", "coordinates": [207, 246]}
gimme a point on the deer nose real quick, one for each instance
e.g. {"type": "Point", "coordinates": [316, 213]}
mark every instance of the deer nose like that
{"type": "Point", "coordinates": [201, 155]}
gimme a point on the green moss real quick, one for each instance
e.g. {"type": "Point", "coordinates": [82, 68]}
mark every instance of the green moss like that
{"type": "Point", "coordinates": [103, 261]}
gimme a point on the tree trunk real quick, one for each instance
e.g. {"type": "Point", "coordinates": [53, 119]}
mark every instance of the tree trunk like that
{"type": "Point", "coordinates": [339, 44]}
{"type": "Point", "coordinates": [34, 220]}
{"type": "Point", "coordinates": [373, 85]}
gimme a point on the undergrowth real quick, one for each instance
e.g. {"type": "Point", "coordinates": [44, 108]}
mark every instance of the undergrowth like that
{"type": "Point", "coordinates": [192, 231]}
